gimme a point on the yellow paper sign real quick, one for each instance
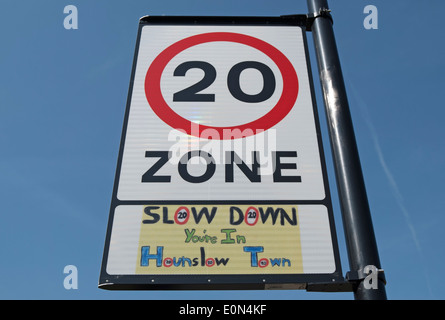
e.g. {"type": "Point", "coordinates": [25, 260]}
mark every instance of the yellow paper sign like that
{"type": "Point", "coordinates": [219, 239]}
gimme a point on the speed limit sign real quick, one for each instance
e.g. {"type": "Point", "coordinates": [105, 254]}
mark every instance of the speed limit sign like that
{"type": "Point", "coordinates": [261, 68]}
{"type": "Point", "coordinates": [216, 110]}
{"type": "Point", "coordinates": [220, 157]}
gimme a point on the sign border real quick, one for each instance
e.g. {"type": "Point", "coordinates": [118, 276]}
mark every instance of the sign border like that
{"type": "Point", "coordinates": [270, 119]}
{"type": "Point", "coordinates": [231, 281]}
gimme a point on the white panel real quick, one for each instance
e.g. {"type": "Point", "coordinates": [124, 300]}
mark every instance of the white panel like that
{"type": "Point", "coordinates": [296, 132]}
{"type": "Point", "coordinates": [124, 241]}
{"type": "Point", "coordinates": [316, 241]}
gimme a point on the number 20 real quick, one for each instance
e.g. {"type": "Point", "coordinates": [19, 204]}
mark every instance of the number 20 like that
{"type": "Point", "coordinates": [233, 82]}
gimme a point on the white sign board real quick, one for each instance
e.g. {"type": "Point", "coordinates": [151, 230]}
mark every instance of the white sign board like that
{"type": "Point", "coordinates": [279, 128]}
{"type": "Point", "coordinates": [221, 123]}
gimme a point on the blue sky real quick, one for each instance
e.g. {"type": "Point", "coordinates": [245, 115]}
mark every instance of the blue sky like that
{"type": "Point", "coordinates": [62, 101]}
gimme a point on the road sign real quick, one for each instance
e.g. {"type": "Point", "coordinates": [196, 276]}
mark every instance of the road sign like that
{"type": "Point", "coordinates": [221, 181]}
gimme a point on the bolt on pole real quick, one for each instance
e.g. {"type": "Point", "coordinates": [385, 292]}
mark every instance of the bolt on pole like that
{"type": "Point", "coordinates": [359, 232]}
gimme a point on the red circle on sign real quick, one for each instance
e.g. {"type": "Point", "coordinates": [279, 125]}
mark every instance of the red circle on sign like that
{"type": "Point", "coordinates": [210, 262]}
{"type": "Point", "coordinates": [274, 116]}
{"type": "Point", "coordinates": [248, 219]}
{"type": "Point", "coordinates": [182, 219]}
{"type": "Point", "coordinates": [263, 263]}
{"type": "Point", "coordinates": [168, 262]}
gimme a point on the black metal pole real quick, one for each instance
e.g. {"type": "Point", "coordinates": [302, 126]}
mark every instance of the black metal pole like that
{"type": "Point", "coordinates": [357, 222]}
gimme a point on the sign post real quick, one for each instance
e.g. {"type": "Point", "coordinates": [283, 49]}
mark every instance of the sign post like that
{"type": "Point", "coordinates": [360, 238]}
{"type": "Point", "coordinates": [221, 181]}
